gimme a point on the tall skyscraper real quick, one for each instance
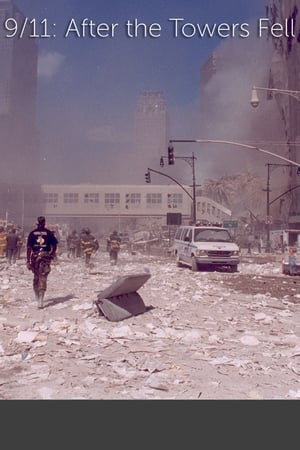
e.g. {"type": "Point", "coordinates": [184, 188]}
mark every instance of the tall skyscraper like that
{"type": "Point", "coordinates": [19, 160]}
{"type": "Point", "coordinates": [151, 129]}
{"type": "Point", "coordinates": [285, 75]}
{"type": "Point", "coordinates": [18, 86]}
{"type": "Point", "coordinates": [209, 68]}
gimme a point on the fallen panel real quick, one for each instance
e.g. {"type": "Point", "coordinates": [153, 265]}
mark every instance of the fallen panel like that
{"type": "Point", "coordinates": [125, 285]}
{"type": "Point", "coordinates": [122, 307]}
{"type": "Point", "coordinates": [120, 300]}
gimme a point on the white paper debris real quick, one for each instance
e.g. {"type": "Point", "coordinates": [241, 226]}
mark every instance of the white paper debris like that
{"type": "Point", "coordinates": [249, 340]}
{"type": "Point", "coordinates": [26, 336]}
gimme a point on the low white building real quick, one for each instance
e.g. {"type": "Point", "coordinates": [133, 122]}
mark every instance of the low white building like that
{"type": "Point", "coordinates": [65, 202]}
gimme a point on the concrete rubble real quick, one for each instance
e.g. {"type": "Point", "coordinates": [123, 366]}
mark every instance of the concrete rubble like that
{"type": "Point", "coordinates": [202, 339]}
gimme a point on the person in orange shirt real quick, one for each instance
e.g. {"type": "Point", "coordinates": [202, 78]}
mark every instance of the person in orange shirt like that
{"type": "Point", "coordinates": [3, 244]}
{"type": "Point", "coordinates": [89, 245]}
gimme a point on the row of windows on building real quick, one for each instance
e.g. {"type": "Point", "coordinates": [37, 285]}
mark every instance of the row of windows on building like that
{"type": "Point", "coordinates": [114, 199]}
{"type": "Point", "coordinates": [132, 200]}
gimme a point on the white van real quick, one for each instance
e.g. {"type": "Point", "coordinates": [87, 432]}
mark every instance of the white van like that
{"type": "Point", "coordinates": [205, 246]}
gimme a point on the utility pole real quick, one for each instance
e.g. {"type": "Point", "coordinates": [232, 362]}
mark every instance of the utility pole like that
{"type": "Point", "coordinates": [268, 190]}
{"type": "Point", "coordinates": [191, 161]}
{"type": "Point", "coordinates": [268, 218]}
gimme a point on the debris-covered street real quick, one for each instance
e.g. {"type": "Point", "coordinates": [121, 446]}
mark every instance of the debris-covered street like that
{"type": "Point", "coordinates": [205, 335]}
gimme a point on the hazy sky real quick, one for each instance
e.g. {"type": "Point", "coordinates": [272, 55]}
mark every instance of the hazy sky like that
{"type": "Point", "coordinates": [88, 86]}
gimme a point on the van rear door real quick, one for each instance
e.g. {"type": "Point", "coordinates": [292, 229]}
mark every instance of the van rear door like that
{"type": "Point", "coordinates": [186, 245]}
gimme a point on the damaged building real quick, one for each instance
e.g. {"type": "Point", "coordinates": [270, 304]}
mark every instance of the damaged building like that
{"type": "Point", "coordinates": [284, 75]}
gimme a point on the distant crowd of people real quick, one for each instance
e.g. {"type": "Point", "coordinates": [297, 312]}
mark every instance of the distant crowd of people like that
{"type": "Point", "coordinates": [85, 244]}
{"type": "Point", "coordinates": [78, 244]}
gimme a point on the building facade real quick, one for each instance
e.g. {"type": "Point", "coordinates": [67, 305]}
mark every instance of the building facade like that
{"type": "Point", "coordinates": [151, 129]}
{"type": "Point", "coordinates": [131, 203]}
{"type": "Point", "coordinates": [209, 68]}
{"type": "Point", "coordinates": [285, 75]}
{"type": "Point", "coordinates": [19, 159]}
{"type": "Point", "coordinates": [125, 206]}
{"type": "Point", "coordinates": [18, 87]}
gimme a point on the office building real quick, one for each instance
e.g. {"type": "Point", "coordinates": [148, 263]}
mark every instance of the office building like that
{"type": "Point", "coordinates": [19, 161]}
{"type": "Point", "coordinates": [209, 68]}
{"type": "Point", "coordinates": [18, 86]}
{"type": "Point", "coordinates": [285, 75]}
{"type": "Point", "coordinates": [151, 130]}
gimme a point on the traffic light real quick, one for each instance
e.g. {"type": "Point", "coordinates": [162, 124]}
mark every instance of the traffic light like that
{"type": "Point", "coordinates": [171, 155]}
{"type": "Point", "coordinates": [148, 177]}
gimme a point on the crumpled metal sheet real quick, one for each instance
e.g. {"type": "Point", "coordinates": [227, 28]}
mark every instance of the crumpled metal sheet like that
{"type": "Point", "coordinates": [120, 300]}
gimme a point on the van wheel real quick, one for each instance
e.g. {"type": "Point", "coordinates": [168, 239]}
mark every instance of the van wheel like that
{"type": "Point", "coordinates": [194, 264]}
{"type": "Point", "coordinates": [233, 269]}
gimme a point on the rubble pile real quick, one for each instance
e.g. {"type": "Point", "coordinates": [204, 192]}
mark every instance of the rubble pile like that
{"type": "Point", "coordinates": [198, 339]}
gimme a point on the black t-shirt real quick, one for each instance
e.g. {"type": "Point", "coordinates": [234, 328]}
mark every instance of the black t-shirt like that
{"type": "Point", "coordinates": [41, 240]}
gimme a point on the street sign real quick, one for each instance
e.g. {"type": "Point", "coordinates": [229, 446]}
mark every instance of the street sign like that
{"type": "Point", "coordinates": [230, 223]}
{"type": "Point", "coordinates": [174, 218]}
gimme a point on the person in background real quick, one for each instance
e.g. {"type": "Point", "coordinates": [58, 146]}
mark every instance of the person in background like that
{"type": "Point", "coordinates": [72, 244]}
{"type": "Point", "coordinates": [78, 247]}
{"type": "Point", "coordinates": [3, 235]}
{"type": "Point", "coordinates": [108, 245]}
{"type": "Point", "coordinates": [21, 240]}
{"type": "Point", "coordinates": [114, 246]}
{"type": "Point", "coordinates": [12, 245]}
{"type": "Point", "coordinates": [89, 245]}
{"type": "Point", "coordinates": [41, 250]}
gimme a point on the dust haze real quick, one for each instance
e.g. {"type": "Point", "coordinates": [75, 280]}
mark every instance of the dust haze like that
{"type": "Point", "coordinates": [82, 138]}
{"type": "Point", "coordinates": [222, 111]}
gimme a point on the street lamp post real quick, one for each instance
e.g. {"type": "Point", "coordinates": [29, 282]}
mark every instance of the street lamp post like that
{"type": "Point", "coordinates": [268, 219]}
{"type": "Point", "coordinates": [191, 162]}
{"type": "Point", "coordinates": [255, 100]}
{"type": "Point", "coordinates": [148, 179]}
{"type": "Point", "coordinates": [284, 193]}
{"type": "Point", "coordinates": [238, 144]}
{"type": "Point", "coordinates": [247, 146]}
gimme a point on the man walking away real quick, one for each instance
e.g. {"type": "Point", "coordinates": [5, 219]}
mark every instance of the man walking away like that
{"type": "Point", "coordinates": [114, 245]}
{"type": "Point", "coordinates": [12, 246]}
{"type": "Point", "coordinates": [89, 245]}
{"type": "Point", "coordinates": [41, 249]}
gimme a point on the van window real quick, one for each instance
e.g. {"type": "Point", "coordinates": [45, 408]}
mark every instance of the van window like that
{"type": "Point", "coordinates": [178, 233]}
{"type": "Point", "coordinates": [185, 234]}
{"type": "Point", "coordinates": [209, 235]}
{"type": "Point", "coordinates": [189, 234]}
